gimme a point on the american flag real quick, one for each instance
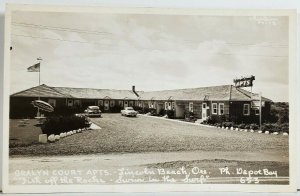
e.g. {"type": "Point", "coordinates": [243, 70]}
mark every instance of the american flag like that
{"type": "Point", "coordinates": [34, 68]}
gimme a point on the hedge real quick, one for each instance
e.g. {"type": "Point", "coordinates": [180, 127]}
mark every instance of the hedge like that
{"type": "Point", "coordinates": [60, 124]}
{"type": "Point", "coordinates": [275, 127]}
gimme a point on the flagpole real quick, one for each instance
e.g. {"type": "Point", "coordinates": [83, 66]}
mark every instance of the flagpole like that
{"type": "Point", "coordinates": [39, 60]}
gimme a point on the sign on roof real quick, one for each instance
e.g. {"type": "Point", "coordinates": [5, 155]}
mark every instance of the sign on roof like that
{"type": "Point", "coordinates": [244, 81]}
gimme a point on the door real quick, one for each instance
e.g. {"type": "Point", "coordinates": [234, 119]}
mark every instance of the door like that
{"type": "Point", "coordinates": [204, 111]}
{"type": "Point", "coordinates": [125, 104]}
{"type": "Point", "coordinates": [106, 105]}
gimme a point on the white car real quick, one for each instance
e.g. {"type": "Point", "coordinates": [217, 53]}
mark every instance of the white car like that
{"type": "Point", "coordinates": [129, 111]}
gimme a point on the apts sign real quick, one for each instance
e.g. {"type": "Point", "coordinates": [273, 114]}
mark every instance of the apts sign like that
{"type": "Point", "coordinates": [244, 81]}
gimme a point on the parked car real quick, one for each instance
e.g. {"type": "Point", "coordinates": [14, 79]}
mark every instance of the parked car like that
{"type": "Point", "coordinates": [129, 111]}
{"type": "Point", "coordinates": [92, 111]}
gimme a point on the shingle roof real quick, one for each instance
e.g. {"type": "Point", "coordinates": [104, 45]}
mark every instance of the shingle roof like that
{"type": "Point", "coordinates": [90, 93]}
{"type": "Point", "coordinates": [213, 93]}
{"type": "Point", "coordinates": [40, 91]}
{"type": "Point", "coordinates": [210, 93]}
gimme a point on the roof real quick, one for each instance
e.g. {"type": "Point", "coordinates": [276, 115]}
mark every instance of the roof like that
{"type": "Point", "coordinates": [90, 93]}
{"type": "Point", "coordinates": [212, 93]}
{"type": "Point", "coordinates": [40, 91]}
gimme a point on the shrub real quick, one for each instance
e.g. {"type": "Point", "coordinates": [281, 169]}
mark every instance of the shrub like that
{"type": "Point", "coordinates": [204, 122]}
{"type": "Point", "coordinates": [228, 124]}
{"type": "Point", "coordinates": [242, 126]}
{"type": "Point", "coordinates": [247, 126]}
{"type": "Point", "coordinates": [170, 113]}
{"type": "Point", "coordinates": [59, 124]}
{"type": "Point", "coordinates": [153, 112]}
{"type": "Point", "coordinates": [284, 127]}
{"type": "Point", "coordinates": [190, 116]}
{"type": "Point", "coordinates": [254, 126]}
{"type": "Point", "coordinates": [162, 112]}
{"type": "Point", "coordinates": [218, 124]}
{"type": "Point", "coordinates": [271, 127]}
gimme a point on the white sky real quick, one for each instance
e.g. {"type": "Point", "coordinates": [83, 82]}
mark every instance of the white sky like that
{"type": "Point", "coordinates": [153, 52]}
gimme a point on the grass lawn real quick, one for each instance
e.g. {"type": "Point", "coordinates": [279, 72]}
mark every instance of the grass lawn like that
{"type": "Point", "coordinates": [143, 134]}
{"type": "Point", "coordinates": [23, 132]}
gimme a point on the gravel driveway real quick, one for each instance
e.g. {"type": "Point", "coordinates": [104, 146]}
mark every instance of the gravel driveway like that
{"type": "Point", "coordinates": [121, 134]}
{"type": "Point", "coordinates": [136, 143]}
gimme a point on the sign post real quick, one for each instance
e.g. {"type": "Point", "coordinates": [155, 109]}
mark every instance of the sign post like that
{"type": "Point", "coordinates": [260, 112]}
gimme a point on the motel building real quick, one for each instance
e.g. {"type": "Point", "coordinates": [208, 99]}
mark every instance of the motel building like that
{"type": "Point", "coordinates": [228, 101]}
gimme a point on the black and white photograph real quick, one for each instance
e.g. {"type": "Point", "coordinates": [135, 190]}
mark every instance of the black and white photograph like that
{"type": "Point", "coordinates": [152, 98]}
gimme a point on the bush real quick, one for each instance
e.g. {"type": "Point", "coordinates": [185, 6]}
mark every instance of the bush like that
{"type": "Point", "coordinates": [218, 124]}
{"type": "Point", "coordinates": [271, 127]}
{"type": "Point", "coordinates": [204, 122]}
{"type": "Point", "coordinates": [190, 116]}
{"type": "Point", "coordinates": [284, 127]}
{"type": "Point", "coordinates": [247, 126]}
{"type": "Point", "coordinates": [228, 124]}
{"type": "Point", "coordinates": [217, 119]}
{"type": "Point", "coordinates": [162, 112]}
{"type": "Point", "coordinates": [241, 126]}
{"type": "Point", "coordinates": [171, 114]}
{"type": "Point", "coordinates": [59, 124]}
{"type": "Point", "coordinates": [153, 112]}
{"type": "Point", "coordinates": [254, 126]}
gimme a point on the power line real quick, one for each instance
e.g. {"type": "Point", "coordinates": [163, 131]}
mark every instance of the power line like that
{"type": "Point", "coordinates": [47, 38]}
{"type": "Point", "coordinates": [31, 25]}
{"type": "Point", "coordinates": [61, 28]}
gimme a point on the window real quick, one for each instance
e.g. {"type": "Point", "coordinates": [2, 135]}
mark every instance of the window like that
{"type": "Point", "coordinates": [256, 111]}
{"type": "Point", "coordinates": [130, 103]}
{"type": "Point", "coordinates": [76, 102]}
{"type": "Point", "coordinates": [52, 102]}
{"type": "Point", "coordinates": [191, 107]}
{"type": "Point", "coordinates": [106, 107]}
{"type": "Point", "coordinates": [173, 105]}
{"type": "Point", "coordinates": [246, 109]}
{"type": "Point", "coordinates": [204, 105]}
{"type": "Point", "coordinates": [100, 102]}
{"type": "Point", "coordinates": [121, 103]}
{"type": "Point", "coordinates": [221, 108]}
{"type": "Point", "coordinates": [70, 102]}
{"type": "Point", "coordinates": [214, 108]}
{"type": "Point", "coordinates": [126, 103]}
{"type": "Point", "coordinates": [112, 103]}
{"type": "Point", "coordinates": [106, 102]}
{"type": "Point", "coordinates": [166, 105]}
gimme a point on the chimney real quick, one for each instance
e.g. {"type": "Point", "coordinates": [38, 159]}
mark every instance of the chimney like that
{"type": "Point", "coordinates": [133, 90]}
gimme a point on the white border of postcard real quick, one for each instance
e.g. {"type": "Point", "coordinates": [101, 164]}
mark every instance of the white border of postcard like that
{"type": "Point", "coordinates": [153, 187]}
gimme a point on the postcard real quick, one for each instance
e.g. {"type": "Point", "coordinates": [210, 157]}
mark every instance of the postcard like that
{"type": "Point", "coordinates": [102, 99]}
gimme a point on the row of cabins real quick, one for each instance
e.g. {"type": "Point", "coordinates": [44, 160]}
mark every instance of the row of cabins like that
{"type": "Point", "coordinates": [226, 100]}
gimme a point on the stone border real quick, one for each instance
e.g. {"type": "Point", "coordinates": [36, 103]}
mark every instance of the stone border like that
{"type": "Point", "coordinates": [44, 138]}
{"type": "Point", "coordinates": [210, 126]}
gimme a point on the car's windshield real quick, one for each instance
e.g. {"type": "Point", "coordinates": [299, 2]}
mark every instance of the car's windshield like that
{"type": "Point", "coordinates": [129, 108]}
